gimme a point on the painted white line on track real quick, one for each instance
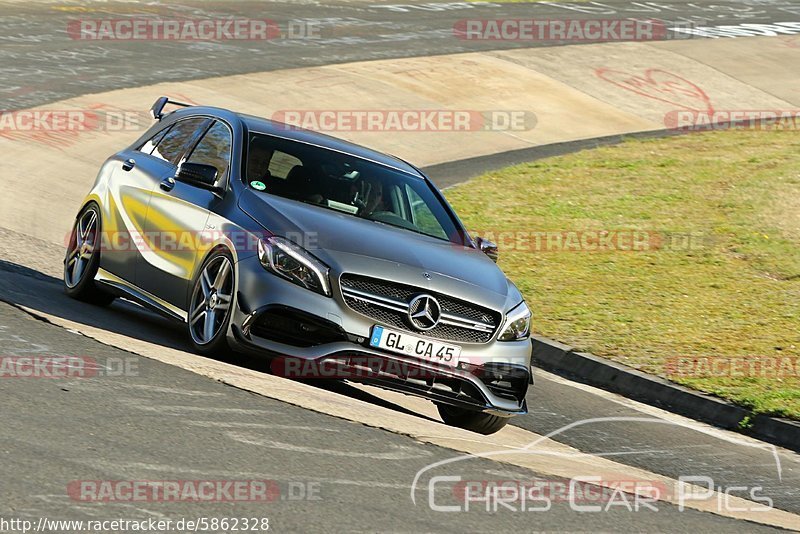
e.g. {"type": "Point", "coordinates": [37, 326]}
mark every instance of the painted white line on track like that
{"type": "Point", "coordinates": [709, 430]}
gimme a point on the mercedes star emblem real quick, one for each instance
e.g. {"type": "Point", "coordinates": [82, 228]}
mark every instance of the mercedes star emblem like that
{"type": "Point", "coordinates": [424, 312]}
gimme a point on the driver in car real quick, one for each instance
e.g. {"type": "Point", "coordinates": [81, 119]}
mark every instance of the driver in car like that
{"type": "Point", "coordinates": [368, 196]}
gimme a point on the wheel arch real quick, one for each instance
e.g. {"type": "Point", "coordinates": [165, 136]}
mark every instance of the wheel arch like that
{"type": "Point", "coordinates": [213, 249]}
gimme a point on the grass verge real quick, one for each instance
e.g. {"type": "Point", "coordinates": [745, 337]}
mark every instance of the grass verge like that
{"type": "Point", "coordinates": [710, 298]}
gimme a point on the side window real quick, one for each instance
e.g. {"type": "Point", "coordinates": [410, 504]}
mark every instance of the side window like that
{"type": "Point", "coordinates": [281, 163]}
{"type": "Point", "coordinates": [148, 147]}
{"type": "Point", "coordinates": [214, 149]}
{"type": "Point", "coordinates": [174, 143]}
{"type": "Point", "coordinates": [424, 219]}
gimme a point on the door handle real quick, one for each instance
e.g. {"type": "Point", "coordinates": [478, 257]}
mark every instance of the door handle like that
{"type": "Point", "coordinates": [128, 164]}
{"type": "Point", "coordinates": [168, 183]}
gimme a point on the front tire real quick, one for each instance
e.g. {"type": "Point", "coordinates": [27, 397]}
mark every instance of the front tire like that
{"type": "Point", "coordinates": [210, 305]}
{"type": "Point", "coordinates": [482, 423]}
{"type": "Point", "coordinates": [83, 258]}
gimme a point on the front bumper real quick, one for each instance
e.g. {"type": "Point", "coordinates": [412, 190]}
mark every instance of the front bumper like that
{"type": "Point", "coordinates": [272, 316]}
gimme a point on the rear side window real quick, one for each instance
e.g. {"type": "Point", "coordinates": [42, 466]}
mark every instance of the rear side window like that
{"type": "Point", "coordinates": [151, 143]}
{"type": "Point", "coordinates": [214, 149]}
{"type": "Point", "coordinates": [177, 139]}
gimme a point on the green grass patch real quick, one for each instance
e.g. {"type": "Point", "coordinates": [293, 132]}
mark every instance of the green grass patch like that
{"type": "Point", "coordinates": [719, 278]}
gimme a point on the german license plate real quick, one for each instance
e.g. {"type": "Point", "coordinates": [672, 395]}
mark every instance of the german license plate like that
{"type": "Point", "coordinates": [425, 349]}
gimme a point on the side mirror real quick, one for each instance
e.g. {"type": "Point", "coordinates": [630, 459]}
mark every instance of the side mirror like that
{"type": "Point", "coordinates": [487, 247]}
{"type": "Point", "coordinates": [198, 174]}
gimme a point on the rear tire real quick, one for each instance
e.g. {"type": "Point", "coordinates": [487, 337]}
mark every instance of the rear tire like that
{"type": "Point", "coordinates": [83, 258]}
{"type": "Point", "coordinates": [482, 423]}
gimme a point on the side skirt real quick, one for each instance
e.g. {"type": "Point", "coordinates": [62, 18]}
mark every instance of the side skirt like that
{"type": "Point", "coordinates": [125, 289]}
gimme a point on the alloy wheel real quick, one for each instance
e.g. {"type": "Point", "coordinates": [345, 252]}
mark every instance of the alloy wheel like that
{"type": "Point", "coordinates": [211, 300]}
{"type": "Point", "coordinates": [83, 245]}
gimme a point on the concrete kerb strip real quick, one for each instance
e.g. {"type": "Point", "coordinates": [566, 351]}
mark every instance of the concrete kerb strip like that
{"type": "Point", "coordinates": [570, 103]}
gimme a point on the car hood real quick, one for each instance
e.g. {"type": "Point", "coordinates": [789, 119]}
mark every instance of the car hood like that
{"type": "Point", "coordinates": [350, 244]}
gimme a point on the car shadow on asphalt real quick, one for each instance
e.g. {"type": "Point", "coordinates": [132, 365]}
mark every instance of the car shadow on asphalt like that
{"type": "Point", "coordinates": [33, 290]}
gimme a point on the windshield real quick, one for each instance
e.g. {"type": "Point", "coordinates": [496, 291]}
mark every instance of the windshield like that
{"type": "Point", "coordinates": [347, 184]}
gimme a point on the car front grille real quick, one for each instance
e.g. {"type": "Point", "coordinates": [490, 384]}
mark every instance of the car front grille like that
{"type": "Point", "coordinates": [387, 302]}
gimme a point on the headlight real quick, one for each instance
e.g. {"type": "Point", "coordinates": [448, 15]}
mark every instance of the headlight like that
{"type": "Point", "coordinates": [517, 325]}
{"type": "Point", "coordinates": [286, 259]}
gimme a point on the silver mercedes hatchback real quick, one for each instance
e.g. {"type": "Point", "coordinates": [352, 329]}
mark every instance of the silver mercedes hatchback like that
{"type": "Point", "coordinates": [333, 260]}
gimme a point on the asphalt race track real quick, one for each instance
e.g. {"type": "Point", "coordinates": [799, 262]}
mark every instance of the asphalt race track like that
{"type": "Point", "coordinates": [41, 63]}
{"type": "Point", "coordinates": [332, 471]}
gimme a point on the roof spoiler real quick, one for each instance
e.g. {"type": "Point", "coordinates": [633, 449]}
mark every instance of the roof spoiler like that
{"type": "Point", "coordinates": [157, 110]}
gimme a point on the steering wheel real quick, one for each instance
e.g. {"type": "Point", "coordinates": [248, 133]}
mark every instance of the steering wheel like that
{"type": "Point", "coordinates": [368, 195]}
